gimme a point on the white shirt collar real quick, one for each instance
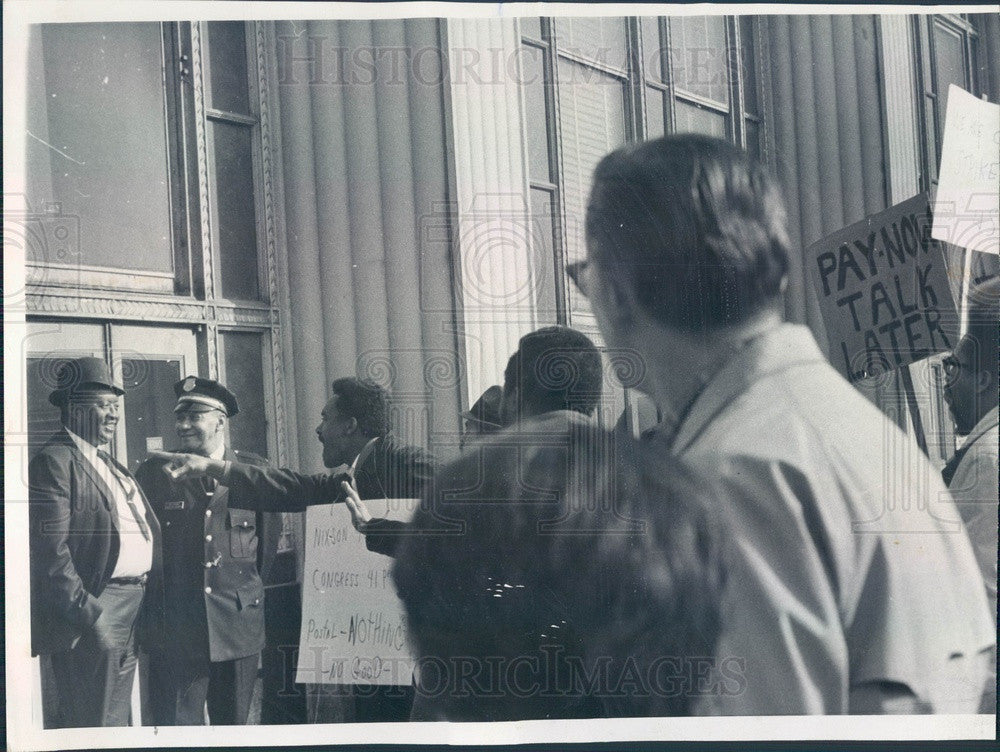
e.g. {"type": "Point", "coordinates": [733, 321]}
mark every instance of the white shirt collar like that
{"type": "Point", "coordinates": [985, 424]}
{"type": "Point", "coordinates": [88, 449]}
{"type": "Point", "coordinates": [363, 453]}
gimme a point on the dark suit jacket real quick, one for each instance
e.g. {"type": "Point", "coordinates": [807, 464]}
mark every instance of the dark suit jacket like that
{"type": "Point", "coordinates": [74, 547]}
{"type": "Point", "coordinates": [391, 470]}
{"type": "Point", "coordinates": [223, 551]}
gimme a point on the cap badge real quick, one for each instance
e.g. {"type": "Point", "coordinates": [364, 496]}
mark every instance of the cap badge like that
{"type": "Point", "coordinates": [189, 384]}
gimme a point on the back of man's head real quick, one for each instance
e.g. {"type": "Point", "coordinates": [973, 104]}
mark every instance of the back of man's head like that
{"type": "Point", "coordinates": [984, 318]}
{"type": "Point", "coordinates": [554, 368]}
{"type": "Point", "coordinates": [366, 402]}
{"type": "Point", "coordinates": [693, 227]}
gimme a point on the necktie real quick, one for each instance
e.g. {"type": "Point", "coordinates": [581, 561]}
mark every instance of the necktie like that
{"type": "Point", "coordinates": [128, 490]}
{"type": "Point", "coordinates": [949, 469]}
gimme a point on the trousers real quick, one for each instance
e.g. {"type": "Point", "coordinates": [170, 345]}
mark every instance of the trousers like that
{"type": "Point", "coordinates": [180, 690]}
{"type": "Point", "coordinates": [94, 685]}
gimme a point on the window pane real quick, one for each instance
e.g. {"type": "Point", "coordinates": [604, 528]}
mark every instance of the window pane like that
{"type": "Point", "coordinates": [753, 139]}
{"type": "Point", "coordinates": [531, 26]}
{"type": "Point", "coordinates": [655, 109]}
{"type": "Point", "coordinates": [536, 116]}
{"type": "Point", "coordinates": [46, 346]}
{"type": "Point", "coordinates": [545, 256]}
{"type": "Point", "coordinates": [226, 70]}
{"type": "Point", "coordinates": [691, 118]}
{"type": "Point", "coordinates": [600, 39]}
{"type": "Point", "coordinates": [698, 56]}
{"type": "Point", "coordinates": [749, 63]}
{"type": "Point", "coordinates": [652, 48]}
{"type": "Point", "coordinates": [149, 405]}
{"type": "Point", "coordinates": [244, 356]}
{"type": "Point", "coordinates": [949, 59]}
{"type": "Point", "coordinates": [592, 123]}
{"type": "Point", "coordinates": [97, 141]}
{"type": "Point", "coordinates": [233, 217]}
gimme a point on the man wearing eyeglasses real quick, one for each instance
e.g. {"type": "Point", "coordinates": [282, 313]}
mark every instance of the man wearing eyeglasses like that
{"type": "Point", "coordinates": [213, 556]}
{"type": "Point", "coordinates": [852, 587]}
{"type": "Point", "coordinates": [971, 393]}
{"type": "Point", "coordinates": [95, 553]}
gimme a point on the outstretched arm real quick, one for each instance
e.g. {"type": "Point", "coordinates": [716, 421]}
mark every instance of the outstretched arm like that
{"type": "Point", "coordinates": [265, 489]}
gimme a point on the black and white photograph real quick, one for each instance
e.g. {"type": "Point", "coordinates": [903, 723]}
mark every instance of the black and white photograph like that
{"type": "Point", "coordinates": [486, 373]}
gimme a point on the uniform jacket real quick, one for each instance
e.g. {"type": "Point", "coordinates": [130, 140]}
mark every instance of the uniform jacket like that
{"type": "Point", "coordinates": [848, 561]}
{"type": "Point", "coordinates": [74, 547]}
{"type": "Point", "coordinates": [212, 559]}
{"type": "Point", "coordinates": [391, 470]}
{"type": "Point", "coordinates": [974, 487]}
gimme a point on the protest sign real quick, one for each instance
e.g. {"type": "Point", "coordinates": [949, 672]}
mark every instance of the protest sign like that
{"type": "Point", "coordinates": [353, 624]}
{"type": "Point", "coordinates": [884, 292]}
{"type": "Point", "coordinates": [967, 201]}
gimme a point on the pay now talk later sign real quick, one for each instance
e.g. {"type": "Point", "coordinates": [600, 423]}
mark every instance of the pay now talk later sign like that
{"type": "Point", "coordinates": [884, 291]}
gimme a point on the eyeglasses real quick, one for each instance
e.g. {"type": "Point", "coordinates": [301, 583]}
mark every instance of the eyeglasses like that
{"type": "Point", "coordinates": [577, 271]}
{"type": "Point", "coordinates": [952, 367]}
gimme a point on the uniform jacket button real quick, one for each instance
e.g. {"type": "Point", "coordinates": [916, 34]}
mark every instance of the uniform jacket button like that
{"type": "Point", "coordinates": [208, 512]}
{"type": "Point", "coordinates": [208, 589]}
{"type": "Point", "coordinates": [208, 537]}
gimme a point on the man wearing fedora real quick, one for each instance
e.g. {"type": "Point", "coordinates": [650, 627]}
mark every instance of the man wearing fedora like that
{"type": "Point", "coordinates": [213, 556]}
{"type": "Point", "coordinates": [95, 556]}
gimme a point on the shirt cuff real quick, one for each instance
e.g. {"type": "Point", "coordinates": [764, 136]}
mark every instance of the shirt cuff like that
{"type": "Point", "coordinates": [223, 476]}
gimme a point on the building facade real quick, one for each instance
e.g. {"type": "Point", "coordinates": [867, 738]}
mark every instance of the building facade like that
{"type": "Point", "coordinates": [280, 203]}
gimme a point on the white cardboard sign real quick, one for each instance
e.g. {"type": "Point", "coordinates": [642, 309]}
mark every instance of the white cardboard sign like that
{"type": "Point", "coordinates": [967, 202]}
{"type": "Point", "coordinates": [353, 624]}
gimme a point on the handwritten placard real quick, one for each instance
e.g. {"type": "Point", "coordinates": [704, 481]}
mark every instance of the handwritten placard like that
{"type": "Point", "coordinates": [967, 202]}
{"type": "Point", "coordinates": [884, 292]}
{"type": "Point", "coordinates": [353, 624]}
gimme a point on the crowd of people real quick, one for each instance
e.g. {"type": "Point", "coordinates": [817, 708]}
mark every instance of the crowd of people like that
{"type": "Point", "coordinates": [776, 545]}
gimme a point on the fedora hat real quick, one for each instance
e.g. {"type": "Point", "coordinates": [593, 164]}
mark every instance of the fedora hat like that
{"type": "Point", "coordinates": [80, 373]}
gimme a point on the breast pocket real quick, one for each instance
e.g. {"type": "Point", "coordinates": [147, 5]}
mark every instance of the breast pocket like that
{"type": "Point", "coordinates": [242, 533]}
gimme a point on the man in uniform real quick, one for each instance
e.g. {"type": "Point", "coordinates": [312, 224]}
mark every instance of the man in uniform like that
{"type": "Point", "coordinates": [95, 553]}
{"type": "Point", "coordinates": [213, 555]}
{"type": "Point", "coordinates": [357, 446]}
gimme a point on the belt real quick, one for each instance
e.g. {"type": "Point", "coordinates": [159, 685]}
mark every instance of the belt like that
{"type": "Point", "coordinates": [140, 580]}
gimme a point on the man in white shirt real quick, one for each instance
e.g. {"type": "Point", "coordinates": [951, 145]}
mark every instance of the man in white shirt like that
{"type": "Point", "coordinates": [852, 586]}
{"type": "Point", "coordinates": [95, 554]}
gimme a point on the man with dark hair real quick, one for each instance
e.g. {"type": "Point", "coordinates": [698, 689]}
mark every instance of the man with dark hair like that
{"type": "Point", "coordinates": [95, 553]}
{"type": "Point", "coordinates": [483, 418]}
{"type": "Point", "coordinates": [593, 591]}
{"type": "Point", "coordinates": [554, 368]}
{"type": "Point", "coordinates": [361, 450]}
{"type": "Point", "coordinates": [852, 587]}
{"type": "Point", "coordinates": [971, 392]}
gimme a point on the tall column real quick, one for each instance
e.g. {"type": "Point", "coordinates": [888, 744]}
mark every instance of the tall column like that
{"type": "Point", "coordinates": [365, 171]}
{"type": "Point", "coordinates": [493, 228]}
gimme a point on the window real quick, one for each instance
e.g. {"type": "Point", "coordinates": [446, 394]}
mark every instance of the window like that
{"type": "Point", "coordinates": [146, 198]}
{"type": "Point", "coordinates": [947, 48]}
{"type": "Point", "coordinates": [231, 126]}
{"type": "Point", "coordinates": [593, 84]}
{"type": "Point", "coordinates": [97, 148]}
{"type": "Point", "coordinates": [114, 124]}
{"type": "Point", "coordinates": [590, 85]}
